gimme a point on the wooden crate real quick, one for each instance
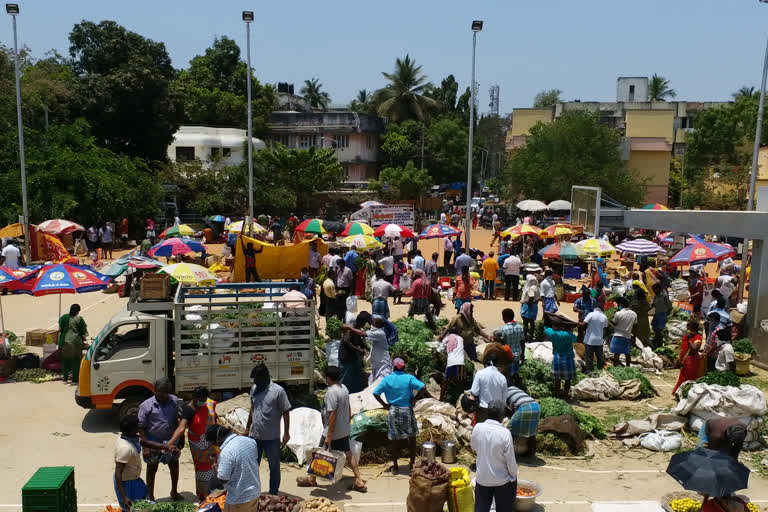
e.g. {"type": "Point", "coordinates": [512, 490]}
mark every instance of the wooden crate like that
{"type": "Point", "coordinates": [38, 337]}
{"type": "Point", "coordinates": [155, 286]}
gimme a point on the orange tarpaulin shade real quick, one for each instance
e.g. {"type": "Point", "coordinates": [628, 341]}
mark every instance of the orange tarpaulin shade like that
{"type": "Point", "coordinates": [275, 262]}
{"type": "Point", "coordinates": [13, 231]}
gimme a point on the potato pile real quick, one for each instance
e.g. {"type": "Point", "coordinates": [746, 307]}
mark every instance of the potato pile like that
{"type": "Point", "coordinates": [321, 505]}
{"type": "Point", "coordinates": [268, 503]}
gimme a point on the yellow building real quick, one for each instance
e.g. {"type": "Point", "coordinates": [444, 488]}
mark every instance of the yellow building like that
{"type": "Point", "coordinates": [651, 134]}
{"type": "Point", "coordinates": [523, 120]}
{"type": "Point", "coordinates": [762, 169]}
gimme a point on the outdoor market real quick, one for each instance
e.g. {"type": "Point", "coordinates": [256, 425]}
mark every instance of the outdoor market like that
{"type": "Point", "coordinates": [409, 355]}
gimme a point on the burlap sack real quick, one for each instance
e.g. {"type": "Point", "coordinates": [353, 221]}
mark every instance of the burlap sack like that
{"type": "Point", "coordinates": [427, 494]}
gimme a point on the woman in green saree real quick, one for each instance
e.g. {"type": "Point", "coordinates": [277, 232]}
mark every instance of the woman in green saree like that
{"type": "Point", "coordinates": [72, 334]}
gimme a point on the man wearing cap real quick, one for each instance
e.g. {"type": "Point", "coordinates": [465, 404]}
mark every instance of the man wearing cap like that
{"type": "Point", "coordinates": [269, 403]}
{"type": "Point", "coordinates": [400, 390]}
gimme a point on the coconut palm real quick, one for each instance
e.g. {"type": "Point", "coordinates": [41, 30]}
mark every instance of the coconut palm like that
{"type": "Point", "coordinates": [404, 98]}
{"type": "Point", "coordinates": [312, 90]}
{"type": "Point", "coordinates": [363, 96]}
{"type": "Point", "coordinates": [659, 90]}
{"type": "Point", "coordinates": [744, 92]}
{"type": "Point", "coordinates": [362, 102]}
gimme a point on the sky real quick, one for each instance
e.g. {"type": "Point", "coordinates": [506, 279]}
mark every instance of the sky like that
{"type": "Point", "coordinates": [706, 48]}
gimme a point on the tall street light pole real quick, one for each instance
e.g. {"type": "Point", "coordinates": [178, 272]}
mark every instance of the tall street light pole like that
{"type": "Point", "coordinates": [248, 18]}
{"type": "Point", "coordinates": [13, 10]}
{"type": "Point", "coordinates": [477, 26]}
{"type": "Point", "coordinates": [753, 175]}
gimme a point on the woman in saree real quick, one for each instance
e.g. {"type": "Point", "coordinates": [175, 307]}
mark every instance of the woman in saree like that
{"type": "Point", "coordinates": [72, 334]}
{"type": "Point", "coordinates": [196, 416]}
{"type": "Point", "coordinates": [692, 363]}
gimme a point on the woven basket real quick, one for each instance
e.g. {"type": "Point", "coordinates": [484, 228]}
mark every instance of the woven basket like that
{"type": "Point", "coordinates": [678, 495]}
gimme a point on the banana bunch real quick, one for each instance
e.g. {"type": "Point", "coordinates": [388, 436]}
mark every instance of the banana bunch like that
{"type": "Point", "coordinates": [36, 375]}
{"type": "Point", "coordinates": [685, 505]}
{"type": "Point", "coordinates": [752, 507]}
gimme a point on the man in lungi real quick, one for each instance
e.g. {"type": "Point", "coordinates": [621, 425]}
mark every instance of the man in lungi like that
{"type": "Point", "coordinates": [524, 422]}
{"type": "Point", "coordinates": [400, 389]}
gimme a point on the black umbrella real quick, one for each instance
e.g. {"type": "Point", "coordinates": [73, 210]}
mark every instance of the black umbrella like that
{"type": "Point", "coordinates": [708, 472]}
{"type": "Point", "coordinates": [333, 227]}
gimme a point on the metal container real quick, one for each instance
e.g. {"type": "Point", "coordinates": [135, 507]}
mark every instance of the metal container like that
{"type": "Point", "coordinates": [428, 451]}
{"type": "Point", "coordinates": [448, 449]}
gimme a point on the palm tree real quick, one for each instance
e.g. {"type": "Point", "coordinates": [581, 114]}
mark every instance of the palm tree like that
{"type": "Point", "coordinates": [363, 96]}
{"type": "Point", "coordinates": [404, 97]}
{"type": "Point", "coordinates": [744, 92]}
{"type": "Point", "coordinates": [659, 90]}
{"type": "Point", "coordinates": [318, 98]}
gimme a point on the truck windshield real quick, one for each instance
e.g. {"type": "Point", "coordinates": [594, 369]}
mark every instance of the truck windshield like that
{"type": "Point", "coordinates": [97, 340]}
{"type": "Point", "coordinates": [123, 337]}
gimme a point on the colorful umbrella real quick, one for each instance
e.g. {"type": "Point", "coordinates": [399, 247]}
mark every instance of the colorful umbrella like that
{"type": "Point", "coordinates": [188, 273]}
{"type": "Point", "coordinates": [393, 230]}
{"type": "Point", "coordinates": [311, 226]}
{"type": "Point", "coordinates": [439, 231]}
{"type": "Point", "coordinates": [562, 251]}
{"type": "Point", "coordinates": [556, 230]}
{"type": "Point", "coordinates": [668, 237]}
{"type": "Point", "coordinates": [357, 228]}
{"type": "Point", "coordinates": [174, 246]}
{"type": "Point", "coordinates": [59, 227]}
{"type": "Point", "coordinates": [217, 218]}
{"type": "Point", "coordinates": [362, 242]}
{"type": "Point", "coordinates": [701, 252]}
{"type": "Point", "coordinates": [178, 230]}
{"type": "Point", "coordinates": [9, 277]}
{"type": "Point", "coordinates": [521, 230]}
{"type": "Point", "coordinates": [238, 227]}
{"type": "Point", "coordinates": [63, 278]}
{"type": "Point", "coordinates": [596, 247]}
{"type": "Point", "coordinates": [640, 246]}
{"type": "Point", "coordinates": [655, 206]}
{"type": "Point", "coordinates": [121, 265]}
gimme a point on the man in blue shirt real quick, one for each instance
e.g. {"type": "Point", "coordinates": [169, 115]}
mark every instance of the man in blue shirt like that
{"type": "Point", "coordinates": [349, 260]}
{"type": "Point", "coordinates": [418, 261]}
{"type": "Point", "coordinates": [238, 467]}
{"type": "Point", "coordinates": [462, 260]}
{"type": "Point", "coordinates": [400, 390]}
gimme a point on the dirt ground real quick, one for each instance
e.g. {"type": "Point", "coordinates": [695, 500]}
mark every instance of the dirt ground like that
{"type": "Point", "coordinates": [44, 427]}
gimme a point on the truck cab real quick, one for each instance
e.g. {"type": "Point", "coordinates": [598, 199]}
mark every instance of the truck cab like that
{"type": "Point", "coordinates": [207, 336]}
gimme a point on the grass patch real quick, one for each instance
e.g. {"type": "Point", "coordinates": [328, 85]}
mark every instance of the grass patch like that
{"type": "Point", "coordinates": [755, 380]}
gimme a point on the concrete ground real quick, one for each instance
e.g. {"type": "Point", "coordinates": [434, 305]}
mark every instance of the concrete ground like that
{"type": "Point", "coordinates": [42, 426]}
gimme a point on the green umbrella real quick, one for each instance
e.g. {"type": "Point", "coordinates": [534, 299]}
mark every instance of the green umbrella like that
{"type": "Point", "coordinates": [311, 226]}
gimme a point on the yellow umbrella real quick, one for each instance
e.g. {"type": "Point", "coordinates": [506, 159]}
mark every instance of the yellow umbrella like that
{"type": "Point", "coordinates": [556, 230]}
{"type": "Point", "coordinates": [597, 247]}
{"type": "Point", "coordinates": [237, 227]}
{"type": "Point", "coordinates": [362, 242]}
{"type": "Point", "coordinates": [189, 273]}
{"type": "Point", "coordinates": [521, 230]}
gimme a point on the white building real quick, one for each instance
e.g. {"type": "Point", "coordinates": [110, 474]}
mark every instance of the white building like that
{"type": "Point", "coordinates": [206, 143]}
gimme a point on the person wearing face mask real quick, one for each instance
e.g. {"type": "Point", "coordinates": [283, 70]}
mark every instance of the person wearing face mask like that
{"type": "Point", "coordinates": [269, 403]}
{"type": "Point", "coordinates": [196, 416]}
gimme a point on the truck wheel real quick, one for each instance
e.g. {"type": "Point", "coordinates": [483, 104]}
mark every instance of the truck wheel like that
{"type": "Point", "coordinates": [130, 407]}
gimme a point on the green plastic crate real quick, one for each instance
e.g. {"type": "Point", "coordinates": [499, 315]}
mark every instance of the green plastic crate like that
{"type": "Point", "coordinates": [50, 490]}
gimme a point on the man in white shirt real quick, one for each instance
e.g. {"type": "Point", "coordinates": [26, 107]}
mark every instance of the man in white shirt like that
{"type": "Point", "coordinates": [511, 270]}
{"type": "Point", "coordinates": [443, 218]}
{"type": "Point", "coordinates": [453, 346]}
{"type": "Point", "coordinates": [11, 255]}
{"type": "Point", "coordinates": [388, 268]}
{"type": "Point", "coordinates": [623, 323]}
{"type": "Point", "coordinates": [448, 250]}
{"type": "Point", "coordinates": [726, 361]}
{"type": "Point", "coordinates": [496, 476]}
{"type": "Point", "coordinates": [397, 247]}
{"type": "Point", "coordinates": [314, 260]}
{"type": "Point", "coordinates": [594, 322]}
{"type": "Point", "coordinates": [727, 284]}
{"type": "Point", "coordinates": [487, 386]}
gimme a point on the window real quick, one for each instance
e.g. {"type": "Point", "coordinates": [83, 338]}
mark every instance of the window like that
{"type": "Point", "coordinates": [285, 140]}
{"type": "Point", "coordinates": [342, 141]}
{"type": "Point", "coordinates": [123, 337]}
{"type": "Point", "coordinates": [369, 141]}
{"type": "Point", "coordinates": [185, 153]}
{"type": "Point", "coordinates": [226, 152]}
{"type": "Point", "coordinates": [306, 141]}
{"type": "Point", "coordinates": [631, 93]}
{"type": "Point", "coordinates": [221, 152]}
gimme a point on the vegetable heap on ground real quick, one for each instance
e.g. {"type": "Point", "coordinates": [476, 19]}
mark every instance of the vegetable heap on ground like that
{"type": "Point", "coordinates": [551, 407]}
{"type": "Point", "coordinates": [622, 373]}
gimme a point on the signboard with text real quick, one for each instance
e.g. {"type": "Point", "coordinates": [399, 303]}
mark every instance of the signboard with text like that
{"type": "Point", "coordinates": [402, 215]}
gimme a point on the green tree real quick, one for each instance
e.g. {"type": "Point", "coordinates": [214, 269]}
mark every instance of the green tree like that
{"type": "Point", "coordinates": [69, 176]}
{"type": "Point", "coordinates": [214, 90]}
{"type": "Point", "coordinates": [446, 150]}
{"type": "Point", "coordinates": [396, 147]}
{"type": "Point", "coordinates": [123, 89]}
{"type": "Point", "coordinates": [363, 103]}
{"type": "Point", "coordinates": [445, 95]}
{"type": "Point", "coordinates": [659, 89]}
{"type": "Point", "coordinates": [547, 98]}
{"type": "Point", "coordinates": [745, 90]}
{"type": "Point", "coordinates": [407, 182]}
{"type": "Point", "coordinates": [575, 149]}
{"type": "Point", "coordinates": [313, 91]}
{"type": "Point", "coordinates": [405, 96]}
{"type": "Point", "coordinates": [220, 189]}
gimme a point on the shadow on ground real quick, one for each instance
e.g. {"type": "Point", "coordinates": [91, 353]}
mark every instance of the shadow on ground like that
{"type": "Point", "coordinates": [100, 421]}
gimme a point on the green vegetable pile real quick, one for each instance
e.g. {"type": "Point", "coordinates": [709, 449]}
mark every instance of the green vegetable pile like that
{"type": "Point", "coordinates": [622, 373]}
{"type": "Point", "coordinates": [413, 331]}
{"type": "Point", "coordinates": [590, 425]}
{"type": "Point", "coordinates": [744, 346]}
{"type": "Point", "coordinates": [537, 378]}
{"type": "Point", "coordinates": [551, 407]}
{"type": "Point", "coordinates": [166, 506]}
{"type": "Point", "coordinates": [333, 328]}
{"type": "Point", "coordinates": [551, 444]}
{"type": "Point", "coordinates": [668, 352]}
{"type": "Point", "coordinates": [721, 378]}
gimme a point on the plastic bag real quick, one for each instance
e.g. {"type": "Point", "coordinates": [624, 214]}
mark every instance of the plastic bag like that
{"type": "Point", "coordinates": [461, 496]}
{"type": "Point", "coordinates": [306, 429]}
{"type": "Point", "coordinates": [363, 422]}
{"type": "Point", "coordinates": [332, 352]}
{"type": "Point", "coordinates": [661, 441]}
{"type": "Point", "coordinates": [327, 464]}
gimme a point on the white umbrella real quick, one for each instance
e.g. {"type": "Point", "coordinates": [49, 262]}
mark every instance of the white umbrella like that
{"type": "Point", "coordinates": [559, 205]}
{"type": "Point", "coordinates": [531, 205]}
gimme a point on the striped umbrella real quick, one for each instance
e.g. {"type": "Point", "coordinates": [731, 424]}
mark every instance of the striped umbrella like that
{"type": "Point", "coordinates": [640, 246]}
{"type": "Point", "coordinates": [596, 247]}
{"type": "Point", "coordinates": [439, 231]}
{"type": "Point", "coordinates": [312, 226]}
{"type": "Point", "coordinates": [179, 230]}
{"type": "Point", "coordinates": [237, 227]}
{"type": "Point", "coordinates": [174, 246]}
{"type": "Point", "coordinates": [655, 206]}
{"type": "Point", "coordinates": [60, 278]}
{"type": "Point", "coordinates": [556, 230]}
{"type": "Point", "coordinates": [188, 273]}
{"type": "Point", "coordinates": [521, 230]}
{"type": "Point", "coordinates": [562, 251]}
{"type": "Point", "coordinates": [357, 228]}
{"type": "Point", "coordinates": [393, 230]}
{"type": "Point", "coordinates": [362, 242]}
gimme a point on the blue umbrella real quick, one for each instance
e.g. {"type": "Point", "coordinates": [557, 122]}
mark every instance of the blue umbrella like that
{"type": "Point", "coordinates": [174, 246]}
{"type": "Point", "coordinates": [217, 218]}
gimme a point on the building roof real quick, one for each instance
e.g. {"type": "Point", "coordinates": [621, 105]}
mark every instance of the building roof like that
{"type": "Point", "coordinates": [213, 136]}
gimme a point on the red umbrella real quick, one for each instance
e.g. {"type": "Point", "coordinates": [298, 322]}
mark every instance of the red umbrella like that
{"type": "Point", "coordinates": [393, 230]}
{"type": "Point", "coordinates": [59, 227]}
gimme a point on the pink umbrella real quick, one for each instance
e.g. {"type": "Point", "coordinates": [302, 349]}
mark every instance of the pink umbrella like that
{"type": "Point", "coordinates": [59, 227]}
